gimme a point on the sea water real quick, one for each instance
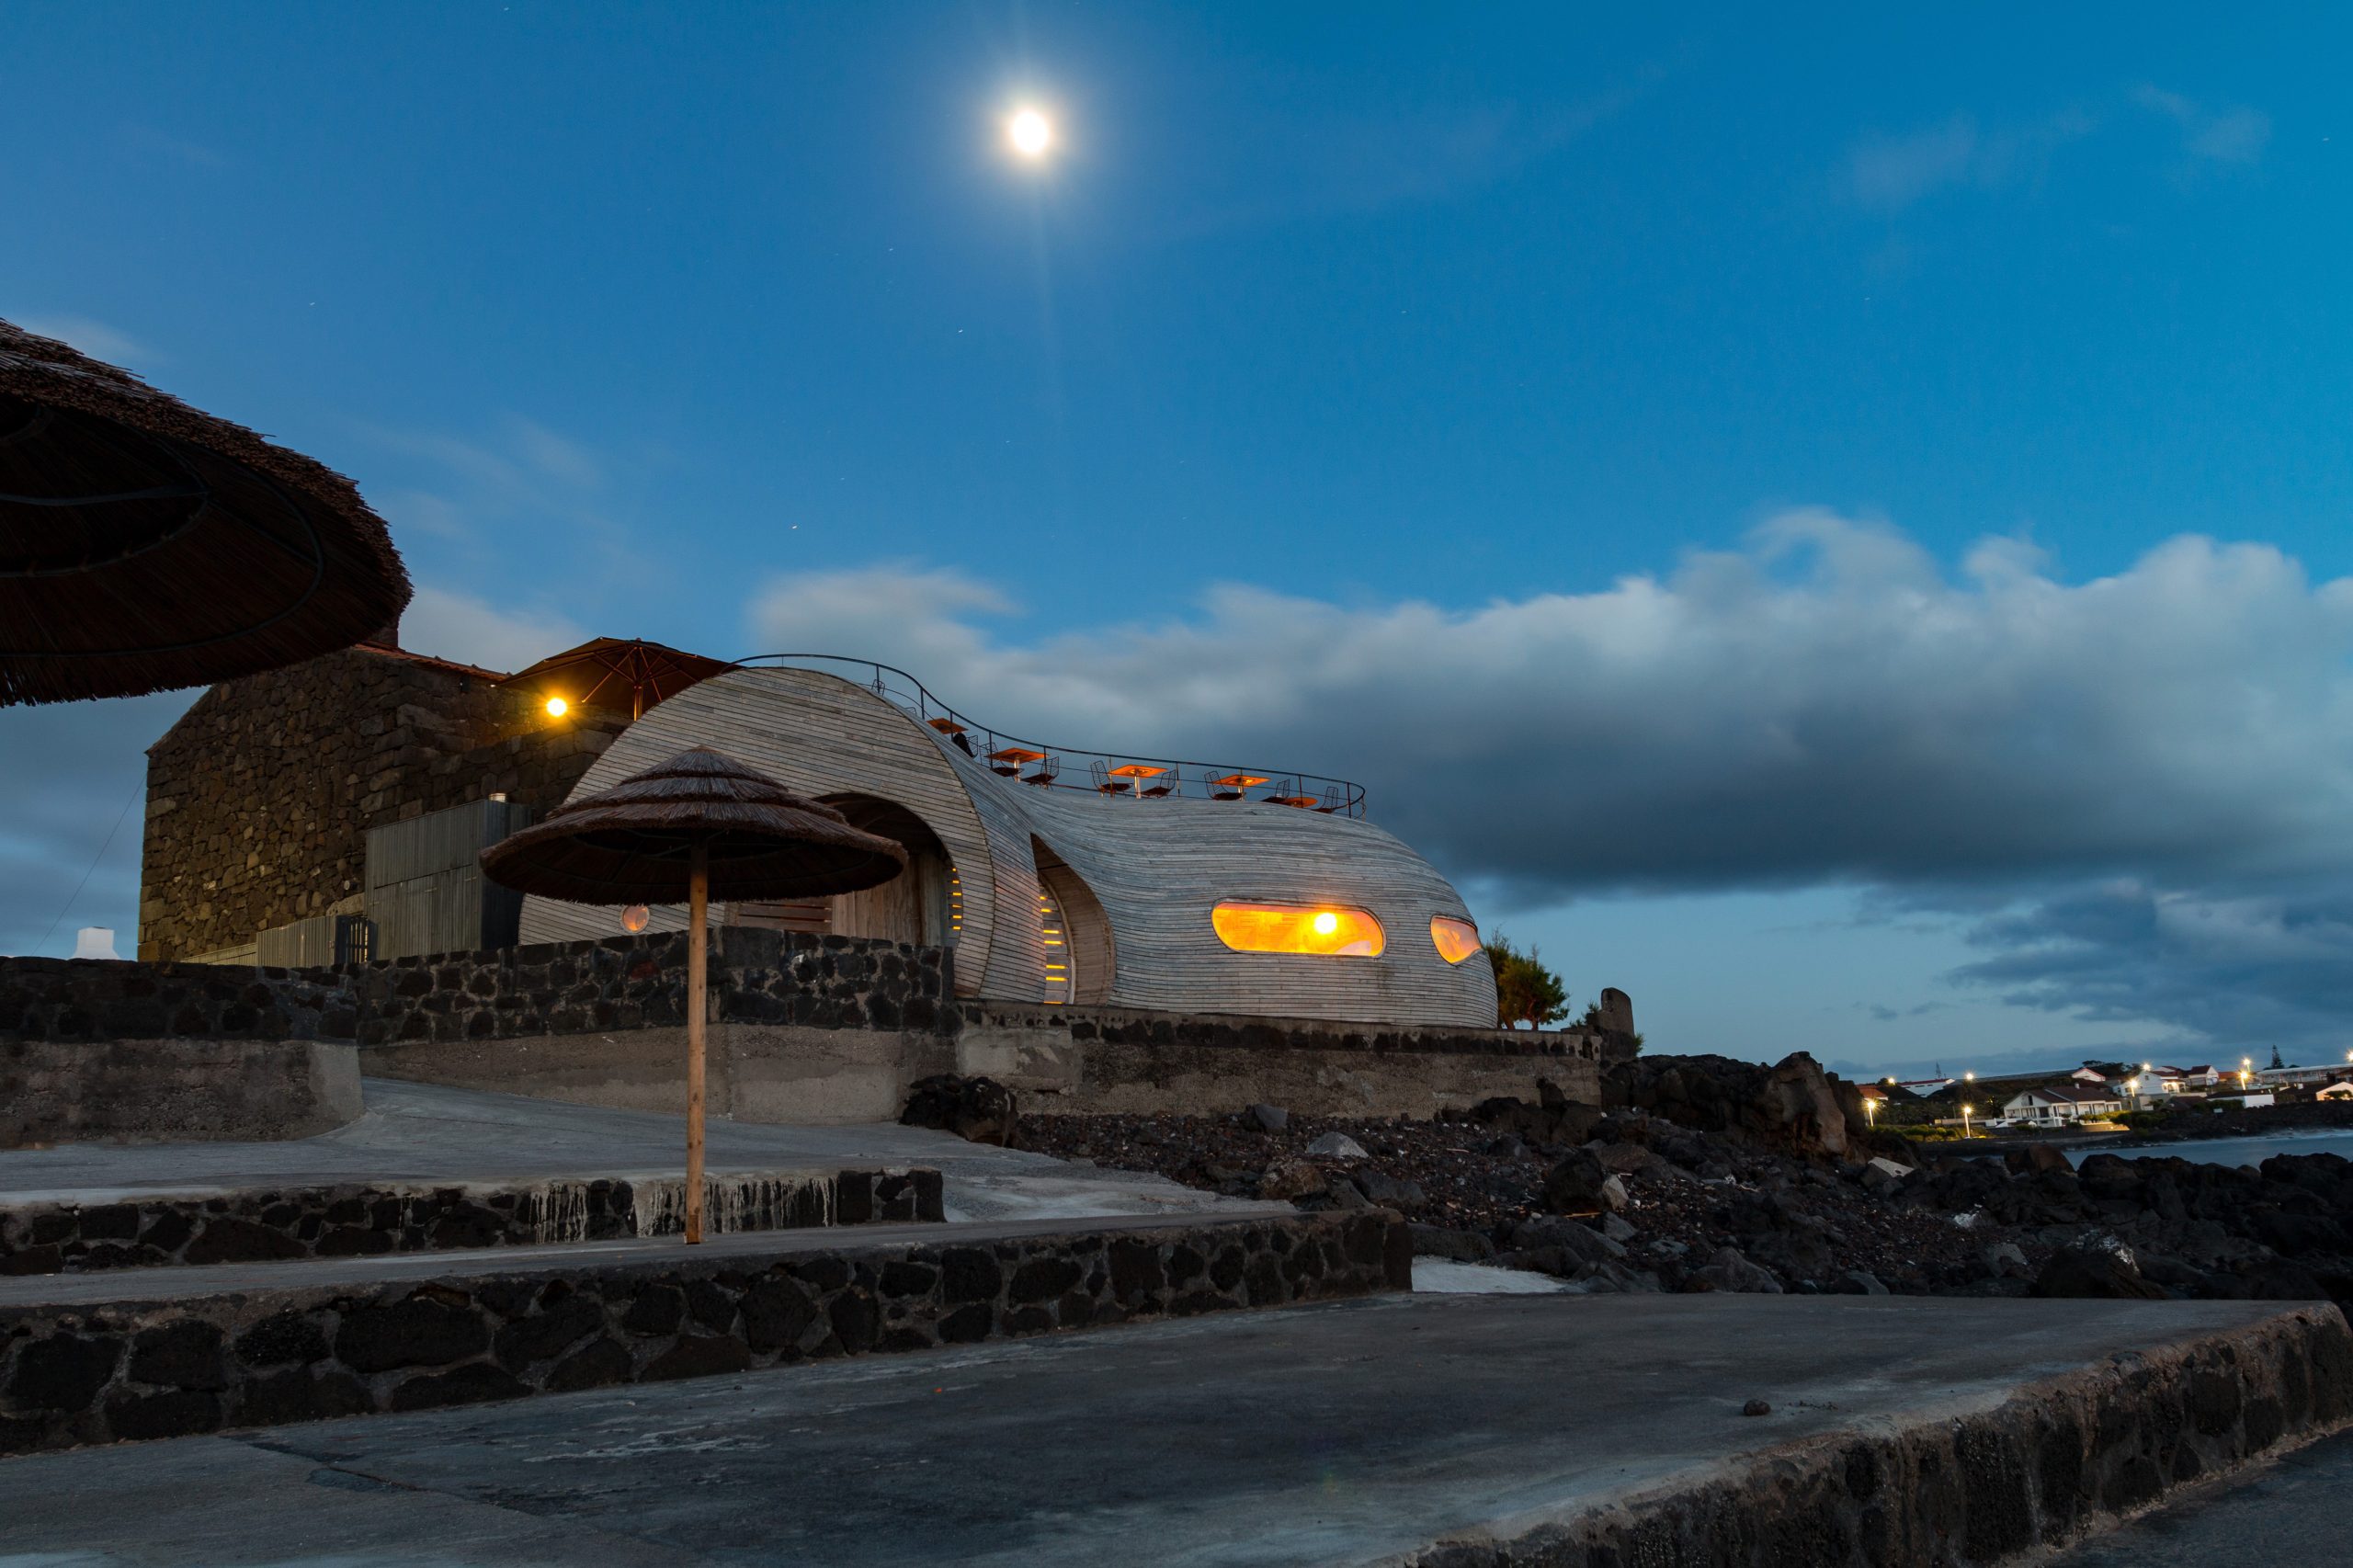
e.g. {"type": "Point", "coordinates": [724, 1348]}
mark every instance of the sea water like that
{"type": "Point", "coordinates": [2236, 1151]}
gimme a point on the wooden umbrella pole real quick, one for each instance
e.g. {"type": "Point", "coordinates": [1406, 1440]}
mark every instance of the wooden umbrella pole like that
{"type": "Point", "coordinates": [698, 1004]}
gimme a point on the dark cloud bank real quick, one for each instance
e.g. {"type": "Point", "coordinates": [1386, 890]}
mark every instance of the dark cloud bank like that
{"type": "Point", "coordinates": [2136, 788]}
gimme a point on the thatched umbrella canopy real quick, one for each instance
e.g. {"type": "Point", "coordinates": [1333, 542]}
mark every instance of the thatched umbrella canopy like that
{"type": "Point", "coordinates": [146, 545]}
{"type": "Point", "coordinates": [698, 824]}
{"type": "Point", "coordinates": [616, 673]}
{"type": "Point", "coordinates": [635, 842]}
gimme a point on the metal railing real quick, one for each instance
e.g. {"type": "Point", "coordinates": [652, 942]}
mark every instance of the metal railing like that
{"type": "Point", "coordinates": [1051, 766]}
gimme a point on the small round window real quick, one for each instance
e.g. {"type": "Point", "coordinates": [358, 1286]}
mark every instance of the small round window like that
{"type": "Point", "coordinates": [1456, 939]}
{"type": "Point", "coordinates": [1324, 930]}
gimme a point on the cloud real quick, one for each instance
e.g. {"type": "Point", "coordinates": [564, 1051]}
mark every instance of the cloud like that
{"type": "Point", "coordinates": [518, 498]}
{"type": "Point", "coordinates": [1326, 165]}
{"type": "Point", "coordinates": [514, 466]}
{"type": "Point", "coordinates": [1888, 174]}
{"type": "Point", "coordinates": [902, 614]}
{"type": "Point", "coordinates": [92, 337]}
{"type": "Point", "coordinates": [1826, 704]}
{"type": "Point", "coordinates": [1896, 171]}
{"type": "Point", "coordinates": [151, 143]}
{"type": "Point", "coordinates": [2235, 135]}
{"type": "Point", "coordinates": [2245, 963]}
{"type": "Point", "coordinates": [474, 631]}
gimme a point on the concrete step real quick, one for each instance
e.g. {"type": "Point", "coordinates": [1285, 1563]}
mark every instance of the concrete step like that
{"type": "Point", "coordinates": [107, 1356]}
{"type": "Point", "coordinates": [92, 1230]}
{"type": "Point", "coordinates": [1900, 1432]}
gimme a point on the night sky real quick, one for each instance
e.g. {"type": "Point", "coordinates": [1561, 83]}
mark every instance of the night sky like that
{"type": "Point", "coordinates": [1833, 523]}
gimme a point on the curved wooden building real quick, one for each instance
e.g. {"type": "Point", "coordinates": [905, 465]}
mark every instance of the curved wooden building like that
{"type": "Point", "coordinates": [1136, 886]}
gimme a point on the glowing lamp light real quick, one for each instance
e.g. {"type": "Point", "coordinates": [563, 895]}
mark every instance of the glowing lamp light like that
{"type": "Point", "coordinates": [1030, 132]}
{"type": "Point", "coordinates": [634, 917]}
{"type": "Point", "coordinates": [558, 707]}
{"type": "Point", "coordinates": [1326, 922]}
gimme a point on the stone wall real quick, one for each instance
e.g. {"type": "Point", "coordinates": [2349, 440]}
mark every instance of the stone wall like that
{"type": "Point", "coordinates": [260, 797]}
{"type": "Point", "coordinates": [157, 1367]}
{"type": "Point", "coordinates": [354, 1221]}
{"type": "Point", "coordinates": [637, 983]}
{"type": "Point", "coordinates": [98, 999]}
{"type": "Point", "coordinates": [1082, 1061]}
{"type": "Point", "coordinates": [807, 1028]}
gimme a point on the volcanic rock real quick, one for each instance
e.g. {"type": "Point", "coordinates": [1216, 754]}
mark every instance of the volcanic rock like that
{"type": "Point", "coordinates": [979, 1110]}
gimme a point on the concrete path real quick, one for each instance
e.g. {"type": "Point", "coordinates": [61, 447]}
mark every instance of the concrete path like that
{"type": "Point", "coordinates": [1344, 1432]}
{"type": "Point", "coordinates": [2289, 1513]}
{"type": "Point", "coordinates": [428, 1133]}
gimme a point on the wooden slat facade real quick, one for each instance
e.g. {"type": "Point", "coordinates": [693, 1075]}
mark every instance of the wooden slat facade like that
{"type": "Point", "coordinates": [1135, 878]}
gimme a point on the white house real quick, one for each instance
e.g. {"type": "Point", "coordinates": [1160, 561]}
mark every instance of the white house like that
{"type": "Point", "coordinates": [2283, 1077]}
{"type": "Point", "coordinates": [2053, 1107]}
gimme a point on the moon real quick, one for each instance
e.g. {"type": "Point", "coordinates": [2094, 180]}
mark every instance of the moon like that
{"type": "Point", "coordinates": [1030, 134]}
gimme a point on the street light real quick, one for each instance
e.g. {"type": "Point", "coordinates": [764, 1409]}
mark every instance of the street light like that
{"type": "Point", "coordinates": [1965, 1108]}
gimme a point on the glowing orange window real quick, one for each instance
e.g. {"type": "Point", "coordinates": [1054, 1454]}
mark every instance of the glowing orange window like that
{"type": "Point", "coordinates": [1326, 930]}
{"type": "Point", "coordinates": [1456, 939]}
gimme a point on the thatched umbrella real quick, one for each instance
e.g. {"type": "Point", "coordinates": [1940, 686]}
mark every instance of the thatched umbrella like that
{"type": "Point", "coordinates": [146, 545]}
{"type": "Point", "coordinates": [698, 824]}
{"type": "Point", "coordinates": [616, 672]}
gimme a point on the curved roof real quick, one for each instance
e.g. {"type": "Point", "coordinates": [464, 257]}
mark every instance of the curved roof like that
{"type": "Point", "coordinates": [1157, 866]}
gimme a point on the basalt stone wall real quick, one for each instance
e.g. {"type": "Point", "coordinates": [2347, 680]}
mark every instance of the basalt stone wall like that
{"type": "Point", "coordinates": [97, 999]}
{"type": "Point", "coordinates": [164, 1368]}
{"type": "Point", "coordinates": [636, 983]}
{"type": "Point", "coordinates": [259, 800]}
{"type": "Point", "coordinates": [356, 1221]}
{"type": "Point", "coordinates": [1101, 1059]}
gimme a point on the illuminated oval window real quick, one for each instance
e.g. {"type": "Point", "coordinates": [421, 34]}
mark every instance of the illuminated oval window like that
{"type": "Point", "coordinates": [1456, 939]}
{"type": "Point", "coordinates": [1327, 930]}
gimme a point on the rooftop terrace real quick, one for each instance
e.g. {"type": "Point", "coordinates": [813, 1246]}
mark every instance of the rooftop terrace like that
{"type": "Point", "coordinates": [1124, 775]}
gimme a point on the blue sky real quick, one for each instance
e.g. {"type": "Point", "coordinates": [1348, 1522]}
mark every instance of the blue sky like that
{"type": "Point", "coordinates": [1732, 484]}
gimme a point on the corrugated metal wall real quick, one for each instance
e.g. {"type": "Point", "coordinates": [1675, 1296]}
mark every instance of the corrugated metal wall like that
{"type": "Point", "coordinates": [426, 889]}
{"type": "Point", "coordinates": [299, 946]}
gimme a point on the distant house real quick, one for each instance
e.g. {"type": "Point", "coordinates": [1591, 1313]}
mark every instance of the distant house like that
{"type": "Point", "coordinates": [2054, 1106]}
{"type": "Point", "coordinates": [2087, 1074]}
{"type": "Point", "coordinates": [2289, 1077]}
{"type": "Point", "coordinates": [2340, 1091]}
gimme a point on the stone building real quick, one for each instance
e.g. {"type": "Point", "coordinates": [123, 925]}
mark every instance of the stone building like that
{"type": "Point", "coordinates": [292, 816]}
{"type": "Point", "coordinates": [260, 799]}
